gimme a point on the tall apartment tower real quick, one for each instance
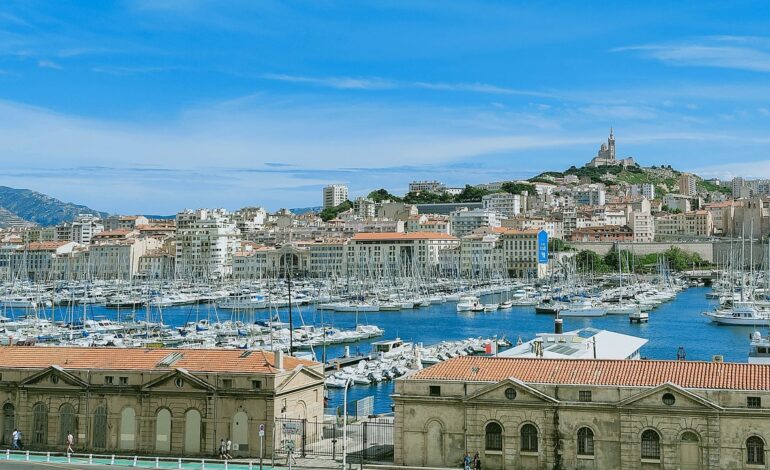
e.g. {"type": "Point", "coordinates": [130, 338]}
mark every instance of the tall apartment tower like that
{"type": "Point", "coordinates": [687, 184]}
{"type": "Point", "coordinates": [334, 195]}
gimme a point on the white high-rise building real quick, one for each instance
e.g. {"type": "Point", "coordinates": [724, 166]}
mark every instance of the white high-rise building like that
{"type": "Point", "coordinates": [505, 204]}
{"type": "Point", "coordinates": [206, 241]}
{"type": "Point", "coordinates": [646, 190]}
{"type": "Point", "coordinates": [334, 195]}
{"type": "Point", "coordinates": [463, 222]}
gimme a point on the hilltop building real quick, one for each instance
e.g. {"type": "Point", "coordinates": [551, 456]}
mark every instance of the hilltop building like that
{"type": "Point", "coordinates": [606, 155]}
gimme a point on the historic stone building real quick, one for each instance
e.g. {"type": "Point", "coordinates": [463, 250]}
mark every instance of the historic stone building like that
{"type": "Point", "coordinates": [154, 401]}
{"type": "Point", "coordinates": [606, 155]}
{"type": "Point", "coordinates": [587, 414]}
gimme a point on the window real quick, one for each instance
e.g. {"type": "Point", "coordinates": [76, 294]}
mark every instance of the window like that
{"type": "Point", "coordinates": [754, 402]}
{"type": "Point", "coordinates": [123, 381]}
{"type": "Point", "coordinates": [585, 441]}
{"type": "Point", "coordinates": [227, 383]}
{"type": "Point", "coordinates": [99, 437]}
{"type": "Point", "coordinates": [669, 399]}
{"type": "Point", "coordinates": [108, 380]}
{"type": "Point", "coordinates": [755, 451]}
{"type": "Point", "coordinates": [584, 395]}
{"type": "Point", "coordinates": [510, 393]}
{"type": "Point", "coordinates": [528, 438]}
{"type": "Point", "coordinates": [434, 390]}
{"type": "Point", "coordinates": [650, 445]}
{"type": "Point", "coordinates": [54, 379]}
{"type": "Point", "coordinates": [40, 424]}
{"type": "Point", "coordinates": [257, 385]}
{"type": "Point", "coordinates": [493, 437]}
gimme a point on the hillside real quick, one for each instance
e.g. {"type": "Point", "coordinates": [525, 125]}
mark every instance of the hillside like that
{"type": "Point", "coordinates": [665, 178]}
{"type": "Point", "coordinates": [32, 206]}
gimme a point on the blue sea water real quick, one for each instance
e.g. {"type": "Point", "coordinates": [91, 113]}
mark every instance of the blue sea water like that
{"type": "Point", "coordinates": [676, 323]}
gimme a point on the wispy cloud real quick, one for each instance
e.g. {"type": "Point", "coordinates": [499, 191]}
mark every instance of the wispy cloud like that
{"type": "Point", "coordinates": [344, 83]}
{"type": "Point", "coordinates": [375, 83]}
{"type": "Point", "coordinates": [48, 64]}
{"type": "Point", "coordinates": [122, 71]}
{"type": "Point", "coordinates": [732, 52]}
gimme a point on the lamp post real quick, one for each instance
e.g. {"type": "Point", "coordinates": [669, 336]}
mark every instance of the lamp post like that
{"type": "Point", "coordinates": [345, 422]}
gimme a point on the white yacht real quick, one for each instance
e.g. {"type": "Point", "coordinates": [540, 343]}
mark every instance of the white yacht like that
{"type": "Point", "coordinates": [469, 303]}
{"type": "Point", "coordinates": [583, 308]}
{"type": "Point", "coordinates": [742, 314]}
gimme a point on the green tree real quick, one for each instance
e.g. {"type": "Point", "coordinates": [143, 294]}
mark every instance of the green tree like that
{"type": "Point", "coordinates": [381, 195]}
{"type": "Point", "coordinates": [471, 194]}
{"type": "Point", "coordinates": [518, 188]}
{"type": "Point", "coordinates": [331, 212]}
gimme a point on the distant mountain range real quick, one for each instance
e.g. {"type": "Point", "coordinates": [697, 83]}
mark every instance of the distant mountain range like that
{"type": "Point", "coordinates": [27, 207]}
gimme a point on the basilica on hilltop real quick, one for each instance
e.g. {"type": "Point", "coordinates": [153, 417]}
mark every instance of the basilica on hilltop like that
{"type": "Point", "coordinates": [606, 156]}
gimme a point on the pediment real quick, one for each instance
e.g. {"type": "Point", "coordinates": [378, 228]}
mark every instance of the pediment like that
{"type": "Point", "coordinates": [54, 377]}
{"type": "Point", "coordinates": [300, 377]}
{"type": "Point", "coordinates": [176, 380]}
{"type": "Point", "coordinates": [684, 399]}
{"type": "Point", "coordinates": [523, 393]}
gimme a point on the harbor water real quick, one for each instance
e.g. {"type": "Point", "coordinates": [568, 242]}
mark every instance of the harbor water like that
{"type": "Point", "coordinates": [674, 324]}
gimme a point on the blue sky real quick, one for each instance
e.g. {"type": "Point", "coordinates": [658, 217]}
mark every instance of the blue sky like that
{"type": "Point", "coordinates": [151, 106]}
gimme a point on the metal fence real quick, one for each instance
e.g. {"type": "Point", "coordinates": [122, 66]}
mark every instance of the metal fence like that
{"type": "Point", "coordinates": [369, 440]}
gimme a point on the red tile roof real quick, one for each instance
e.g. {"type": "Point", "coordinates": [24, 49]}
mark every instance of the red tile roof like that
{"type": "Point", "coordinates": [402, 236]}
{"type": "Point", "coordinates": [193, 360]}
{"type": "Point", "coordinates": [632, 373]}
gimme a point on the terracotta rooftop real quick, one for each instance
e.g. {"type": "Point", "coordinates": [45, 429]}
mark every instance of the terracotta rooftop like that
{"type": "Point", "coordinates": [632, 373]}
{"type": "Point", "coordinates": [403, 236]}
{"type": "Point", "coordinates": [193, 360]}
{"type": "Point", "coordinates": [44, 246]}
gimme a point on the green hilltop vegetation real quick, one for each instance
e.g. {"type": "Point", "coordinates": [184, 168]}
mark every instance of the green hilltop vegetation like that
{"type": "Point", "coordinates": [665, 177]}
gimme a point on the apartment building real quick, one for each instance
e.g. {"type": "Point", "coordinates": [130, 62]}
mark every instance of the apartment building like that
{"type": "Point", "coordinates": [688, 184]}
{"type": "Point", "coordinates": [693, 224]}
{"type": "Point", "coordinates": [525, 252]}
{"type": "Point", "coordinates": [463, 221]}
{"type": "Point", "coordinates": [206, 240]}
{"type": "Point", "coordinates": [503, 203]}
{"type": "Point", "coordinates": [396, 252]}
{"type": "Point", "coordinates": [603, 233]}
{"type": "Point", "coordinates": [334, 195]}
{"type": "Point", "coordinates": [115, 254]}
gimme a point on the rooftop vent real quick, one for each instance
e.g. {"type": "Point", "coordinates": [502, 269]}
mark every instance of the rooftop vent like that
{"type": "Point", "coordinates": [169, 360]}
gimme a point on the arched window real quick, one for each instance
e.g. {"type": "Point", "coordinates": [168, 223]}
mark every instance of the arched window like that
{"type": "Point", "coordinates": [192, 432]}
{"type": "Point", "coordinates": [163, 430]}
{"type": "Point", "coordinates": [493, 437]}
{"type": "Point", "coordinates": [528, 438]}
{"type": "Point", "coordinates": [650, 445]}
{"type": "Point", "coordinates": [585, 441]}
{"type": "Point", "coordinates": [40, 424]}
{"type": "Point", "coordinates": [66, 422]}
{"type": "Point", "coordinates": [755, 451]}
{"type": "Point", "coordinates": [9, 422]}
{"type": "Point", "coordinates": [99, 436]}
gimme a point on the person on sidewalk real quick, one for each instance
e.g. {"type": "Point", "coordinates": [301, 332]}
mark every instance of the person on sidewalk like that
{"type": "Point", "coordinates": [229, 448]}
{"type": "Point", "coordinates": [222, 450]}
{"type": "Point", "coordinates": [70, 443]}
{"type": "Point", "coordinates": [15, 437]}
{"type": "Point", "coordinates": [467, 461]}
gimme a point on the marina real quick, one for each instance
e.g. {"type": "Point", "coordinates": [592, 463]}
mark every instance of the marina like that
{"type": "Point", "coordinates": [328, 333]}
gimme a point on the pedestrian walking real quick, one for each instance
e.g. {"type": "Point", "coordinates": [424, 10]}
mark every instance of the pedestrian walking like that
{"type": "Point", "coordinates": [15, 436]}
{"type": "Point", "coordinates": [222, 450]}
{"type": "Point", "coordinates": [477, 461]}
{"type": "Point", "coordinates": [229, 448]}
{"type": "Point", "coordinates": [70, 442]}
{"type": "Point", "coordinates": [467, 461]}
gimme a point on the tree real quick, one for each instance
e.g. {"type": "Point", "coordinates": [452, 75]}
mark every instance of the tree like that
{"type": "Point", "coordinates": [471, 194]}
{"type": "Point", "coordinates": [518, 188]}
{"type": "Point", "coordinates": [589, 261]}
{"type": "Point", "coordinates": [557, 244]}
{"type": "Point", "coordinates": [381, 195]}
{"type": "Point", "coordinates": [331, 212]}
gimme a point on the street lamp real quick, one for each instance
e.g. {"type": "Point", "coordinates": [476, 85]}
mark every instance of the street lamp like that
{"type": "Point", "coordinates": [345, 422]}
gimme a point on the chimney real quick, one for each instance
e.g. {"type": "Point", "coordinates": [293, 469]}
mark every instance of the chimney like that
{"type": "Point", "coordinates": [278, 359]}
{"type": "Point", "coordinates": [558, 326]}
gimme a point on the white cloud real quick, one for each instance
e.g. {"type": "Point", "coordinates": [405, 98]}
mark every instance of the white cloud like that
{"type": "Point", "coordinates": [723, 52]}
{"type": "Point", "coordinates": [374, 83]}
{"type": "Point", "coordinates": [48, 64]}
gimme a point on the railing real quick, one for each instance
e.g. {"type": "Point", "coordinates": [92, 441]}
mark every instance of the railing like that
{"type": "Point", "coordinates": [129, 461]}
{"type": "Point", "coordinates": [367, 441]}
